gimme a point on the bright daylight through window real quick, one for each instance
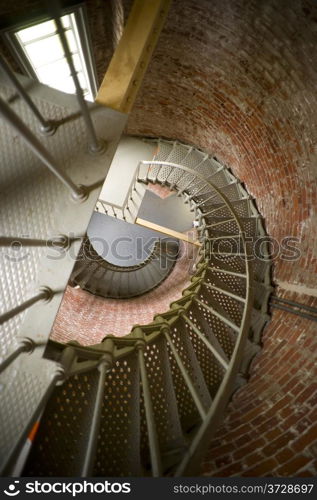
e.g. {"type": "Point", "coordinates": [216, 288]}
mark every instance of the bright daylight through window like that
{"type": "Point", "coordinates": [44, 52]}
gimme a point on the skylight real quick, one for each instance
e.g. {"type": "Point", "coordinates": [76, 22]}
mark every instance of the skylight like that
{"type": "Point", "coordinates": [42, 48]}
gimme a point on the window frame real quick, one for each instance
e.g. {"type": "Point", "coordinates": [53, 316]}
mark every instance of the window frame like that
{"type": "Point", "coordinates": [80, 13]}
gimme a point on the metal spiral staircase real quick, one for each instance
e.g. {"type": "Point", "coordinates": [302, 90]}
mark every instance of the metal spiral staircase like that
{"type": "Point", "coordinates": [95, 275]}
{"type": "Point", "coordinates": [148, 403]}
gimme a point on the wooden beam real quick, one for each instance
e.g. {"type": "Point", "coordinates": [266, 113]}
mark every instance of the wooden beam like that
{"type": "Point", "coordinates": [133, 54]}
{"type": "Point", "coordinates": [166, 230]}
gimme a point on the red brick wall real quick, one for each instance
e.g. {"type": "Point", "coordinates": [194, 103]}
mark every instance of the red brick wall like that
{"type": "Point", "coordinates": [271, 427]}
{"type": "Point", "coordinates": [238, 78]}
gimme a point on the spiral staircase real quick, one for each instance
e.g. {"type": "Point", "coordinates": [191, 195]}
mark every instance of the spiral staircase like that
{"type": "Point", "coordinates": [148, 403]}
{"type": "Point", "coordinates": [98, 276]}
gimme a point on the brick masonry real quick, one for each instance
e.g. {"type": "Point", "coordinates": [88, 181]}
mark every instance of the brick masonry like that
{"type": "Point", "coordinates": [238, 79]}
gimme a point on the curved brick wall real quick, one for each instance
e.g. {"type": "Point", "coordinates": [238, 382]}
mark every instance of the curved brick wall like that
{"type": "Point", "coordinates": [271, 427]}
{"type": "Point", "coordinates": [238, 78]}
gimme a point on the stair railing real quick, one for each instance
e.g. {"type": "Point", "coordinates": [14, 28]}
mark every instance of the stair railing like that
{"type": "Point", "coordinates": [114, 209]}
{"type": "Point", "coordinates": [33, 140]}
{"type": "Point", "coordinates": [46, 127]}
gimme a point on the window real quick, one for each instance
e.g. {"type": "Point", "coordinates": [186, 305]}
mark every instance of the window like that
{"type": "Point", "coordinates": [40, 52]}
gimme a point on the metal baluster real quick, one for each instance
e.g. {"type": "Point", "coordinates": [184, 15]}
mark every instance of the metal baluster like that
{"type": "Point", "coordinates": [24, 345]}
{"type": "Point", "coordinates": [136, 177]}
{"type": "Point", "coordinates": [225, 292]}
{"type": "Point", "coordinates": [40, 151]}
{"type": "Point", "coordinates": [218, 315]}
{"type": "Point", "coordinates": [104, 367]}
{"type": "Point", "coordinates": [95, 146]}
{"type": "Point", "coordinates": [214, 210]}
{"type": "Point", "coordinates": [149, 413]}
{"type": "Point", "coordinates": [44, 294]}
{"type": "Point", "coordinates": [46, 127]}
{"type": "Point", "coordinates": [103, 206]}
{"type": "Point", "coordinates": [207, 200]}
{"type": "Point", "coordinates": [181, 191]}
{"type": "Point", "coordinates": [223, 237]}
{"type": "Point", "coordinates": [225, 271]}
{"type": "Point", "coordinates": [17, 241]}
{"type": "Point", "coordinates": [191, 196]}
{"type": "Point", "coordinates": [209, 226]}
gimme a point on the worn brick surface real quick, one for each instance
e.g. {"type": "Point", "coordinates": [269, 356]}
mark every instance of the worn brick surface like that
{"type": "Point", "coordinates": [238, 78]}
{"type": "Point", "coordinates": [289, 431]}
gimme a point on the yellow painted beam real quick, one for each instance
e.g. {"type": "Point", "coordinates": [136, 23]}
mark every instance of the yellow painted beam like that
{"type": "Point", "coordinates": [133, 54]}
{"type": "Point", "coordinates": [166, 230]}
